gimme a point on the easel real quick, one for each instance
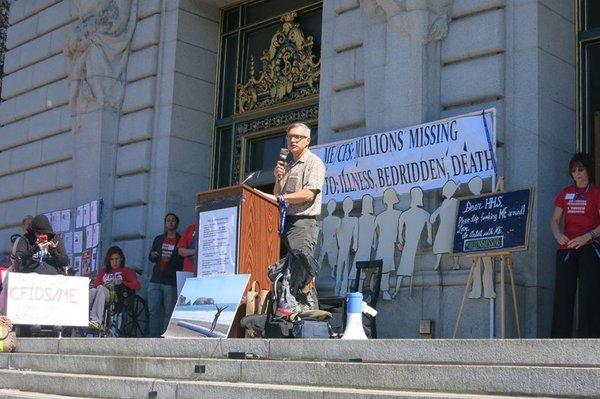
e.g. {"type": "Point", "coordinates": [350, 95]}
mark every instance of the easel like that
{"type": "Point", "coordinates": [505, 260]}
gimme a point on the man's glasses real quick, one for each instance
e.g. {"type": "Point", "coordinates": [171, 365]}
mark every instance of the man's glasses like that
{"type": "Point", "coordinates": [295, 137]}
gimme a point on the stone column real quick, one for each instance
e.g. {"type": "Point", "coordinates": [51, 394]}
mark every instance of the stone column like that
{"type": "Point", "coordinates": [406, 91]}
{"type": "Point", "coordinates": [98, 50]}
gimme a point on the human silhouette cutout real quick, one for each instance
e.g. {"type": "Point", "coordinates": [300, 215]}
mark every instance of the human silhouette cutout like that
{"type": "Point", "coordinates": [347, 238]}
{"type": "Point", "coordinates": [410, 226]}
{"type": "Point", "coordinates": [329, 246]}
{"type": "Point", "coordinates": [444, 237]}
{"type": "Point", "coordinates": [386, 232]}
{"type": "Point", "coordinates": [366, 237]}
{"type": "Point", "coordinates": [475, 186]}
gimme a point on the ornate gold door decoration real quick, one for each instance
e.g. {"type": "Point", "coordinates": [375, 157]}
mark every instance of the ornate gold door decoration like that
{"type": "Point", "coordinates": [290, 70]}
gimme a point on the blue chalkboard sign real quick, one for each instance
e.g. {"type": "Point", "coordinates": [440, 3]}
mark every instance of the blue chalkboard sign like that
{"type": "Point", "coordinates": [497, 222]}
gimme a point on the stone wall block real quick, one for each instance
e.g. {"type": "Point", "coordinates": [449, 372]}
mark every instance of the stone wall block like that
{"type": "Point", "coordinates": [193, 93]}
{"type": "Point", "coordinates": [13, 135]}
{"type": "Point", "coordinates": [147, 8]}
{"type": "Point", "coordinates": [34, 76]}
{"type": "Point", "coordinates": [139, 95]}
{"type": "Point", "coordinates": [53, 200]}
{"type": "Point", "coordinates": [551, 35]}
{"type": "Point", "coordinates": [19, 10]}
{"type": "Point", "coordinates": [12, 186]}
{"type": "Point", "coordinates": [343, 70]}
{"type": "Point", "coordinates": [347, 108]}
{"type": "Point", "coordinates": [39, 180]}
{"type": "Point", "coordinates": [135, 252]}
{"type": "Point", "coordinates": [33, 102]}
{"type": "Point", "coordinates": [461, 8]}
{"type": "Point", "coordinates": [195, 61]}
{"type": "Point", "coordinates": [564, 8]}
{"type": "Point", "coordinates": [18, 208]}
{"type": "Point", "coordinates": [47, 123]}
{"type": "Point", "coordinates": [342, 6]}
{"type": "Point", "coordinates": [186, 153]}
{"type": "Point", "coordinates": [133, 158]}
{"type": "Point", "coordinates": [191, 125]}
{"type": "Point", "coordinates": [131, 189]}
{"type": "Point", "coordinates": [64, 174]}
{"type": "Point", "coordinates": [26, 156]}
{"type": "Point", "coordinates": [129, 222]}
{"type": "Point", "coordinates": [203, 9]}
{"type": "Point", "coordinates": [57, 147]}
{"type": "Point", "coordinates": [36, 50]}
{"type": "Point", "coordinates": [348, 31]}
{"type": "Point", "coordinates": [197, 31]}
{"type": "Point", "coordinates": [557, 79]}
{"type": "Point", "coordinates": [182, 190]}
{"type": "Point", "coordinates": [147, 33]}
{"type": "Point", "coordinates": [136, 126]}
{"type": "Point", "coordinates": [142, 63]}
{"type": "Point", "coordinates": [473, 81]}
{"type": "Point", "coordinates": [4, 162]}
{"type": "Point", "coordinates": [461, 43]}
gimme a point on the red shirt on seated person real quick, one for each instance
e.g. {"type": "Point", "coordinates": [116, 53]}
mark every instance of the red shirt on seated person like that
{"type": "Point", "coordinates": [114, 273]}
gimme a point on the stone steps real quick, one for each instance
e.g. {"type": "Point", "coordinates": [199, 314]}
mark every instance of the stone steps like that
{"type": "Point", "coordinates": [52, 385]}
{"type": "Point", "coordinates": [18, 394]}
{"type": "Point", "coordinates": [199, 368]}
{"type": "Point", "coordinates": [492, 379]}
{"type": "Point", "coordinates": [569, 352]}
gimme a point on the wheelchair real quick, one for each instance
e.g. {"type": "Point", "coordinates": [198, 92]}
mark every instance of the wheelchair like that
{"type": "Point", "coordinates": [125, 315]}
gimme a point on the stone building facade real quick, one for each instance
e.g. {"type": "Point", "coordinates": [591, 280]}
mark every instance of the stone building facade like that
{"type": "Point", "coordinates": [117, 101]}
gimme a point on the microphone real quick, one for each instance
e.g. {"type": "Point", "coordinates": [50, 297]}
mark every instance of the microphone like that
{"type": "Point", "coordinates": [283, 154]}
{"type": "Point", "coordinates": [256, 173]}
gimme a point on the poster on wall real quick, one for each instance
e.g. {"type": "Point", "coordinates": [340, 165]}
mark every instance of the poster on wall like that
{"type": "Point", "coordinates": [217, 242]}
{"type": "Point", "coordinates": [426, 155]}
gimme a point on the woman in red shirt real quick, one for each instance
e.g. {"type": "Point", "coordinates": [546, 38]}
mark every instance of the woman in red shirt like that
{"type": "Point", "coordinates": [112, 275]}
{"type": "Point", "coordinates": [578, 254]}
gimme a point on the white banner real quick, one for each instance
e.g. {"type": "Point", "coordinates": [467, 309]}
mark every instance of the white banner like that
{"type": "Point", "coordinates": [426, 155]}
{"type": "Point", "coordinates": [47, 300]}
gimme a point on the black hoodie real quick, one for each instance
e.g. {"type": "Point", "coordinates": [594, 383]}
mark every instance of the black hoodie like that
{"type": "Point", "coordinates": [28, 255]}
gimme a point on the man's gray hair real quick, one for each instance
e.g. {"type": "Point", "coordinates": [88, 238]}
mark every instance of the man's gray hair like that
{"type": "Point", "coordinates": [305, 129]}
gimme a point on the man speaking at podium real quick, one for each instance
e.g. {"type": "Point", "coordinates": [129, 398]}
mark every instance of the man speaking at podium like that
{"type": "Point", "coordinates": [298, 187]}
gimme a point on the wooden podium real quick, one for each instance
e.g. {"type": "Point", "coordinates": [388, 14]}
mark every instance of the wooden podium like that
{"type": "Point", "coordinates": [258, 243]}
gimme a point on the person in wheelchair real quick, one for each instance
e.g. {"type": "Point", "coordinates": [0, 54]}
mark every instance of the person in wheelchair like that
{"type": "Point", "coordinates": [113, 278]}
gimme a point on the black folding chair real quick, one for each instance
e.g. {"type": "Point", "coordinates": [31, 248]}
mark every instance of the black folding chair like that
{"type": "Point", "coordinates": [372, 270]}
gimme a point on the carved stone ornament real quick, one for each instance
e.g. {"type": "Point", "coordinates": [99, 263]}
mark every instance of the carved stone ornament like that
{"type": "Point", "coordinates": [98, 48]}
{"type": "Point", "coordinates": [290, 70]}
{"type": "Point", "coordinates": [396, 10]}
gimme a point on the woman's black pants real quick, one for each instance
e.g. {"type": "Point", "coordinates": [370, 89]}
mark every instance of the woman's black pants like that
{"type": "Point", "coordinates": [572, 267]}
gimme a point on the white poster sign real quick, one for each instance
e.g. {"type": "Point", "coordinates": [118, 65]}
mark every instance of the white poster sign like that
{"type": "Point", "coordinates": [217, 242]}
{"type": "Point", "coordinates": [47, 300]}
{"type": "Point", "coordinates": [426, 155]}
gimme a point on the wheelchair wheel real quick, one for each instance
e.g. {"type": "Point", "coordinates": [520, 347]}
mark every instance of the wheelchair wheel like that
{"type": "Point", "coordinates": [134, 318]}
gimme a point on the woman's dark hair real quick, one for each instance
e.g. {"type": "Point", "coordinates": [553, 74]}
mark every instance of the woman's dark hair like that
{"type": "Point", "coordinates": [111, 251]}
{"type": "Point", "coordinates": [584, 160]}
{"type": "Point", "coordinates": [171, 214]}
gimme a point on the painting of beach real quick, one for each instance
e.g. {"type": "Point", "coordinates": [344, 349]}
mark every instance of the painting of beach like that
{"type": "Point", "coordinates": [206, 306]}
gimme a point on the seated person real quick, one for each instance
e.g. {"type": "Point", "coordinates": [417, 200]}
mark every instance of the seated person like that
{"type": "Point", "coordinates": [39, 250]}
{"type": "Point", "coordinates": [114, 274]}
